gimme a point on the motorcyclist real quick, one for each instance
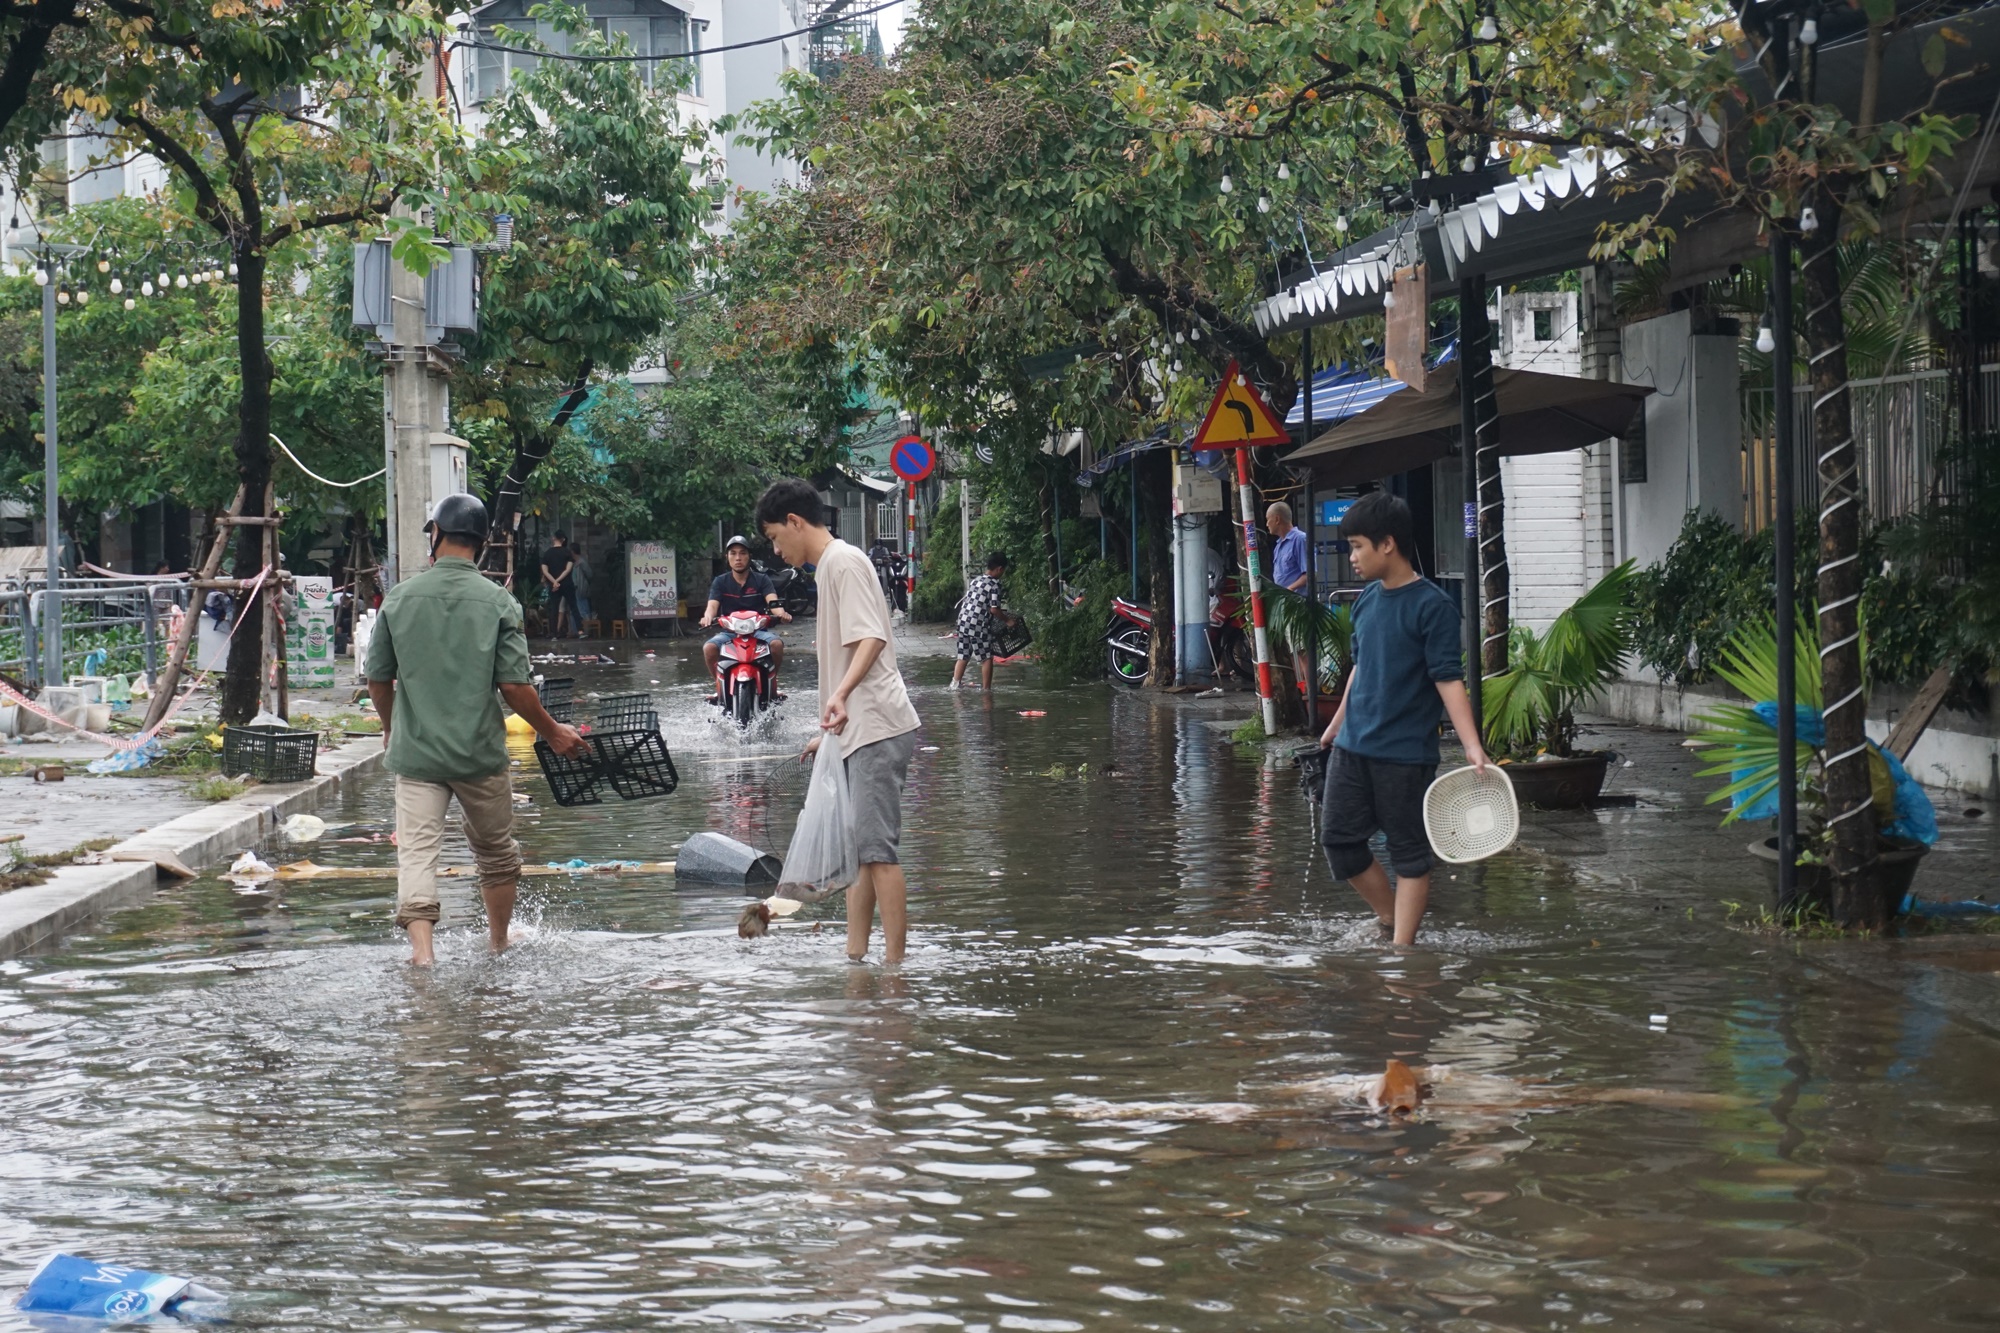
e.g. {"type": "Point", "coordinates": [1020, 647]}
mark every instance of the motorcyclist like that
{"type": "Point", "coordinates": [741, 588]}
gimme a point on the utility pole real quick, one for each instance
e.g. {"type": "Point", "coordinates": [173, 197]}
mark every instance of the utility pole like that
{"type": "Point", "coordinates": [415, 400]}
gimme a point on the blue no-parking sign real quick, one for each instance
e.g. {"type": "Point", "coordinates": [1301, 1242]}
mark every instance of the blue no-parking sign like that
{"type": "Point", "coordinates": [912, 459]}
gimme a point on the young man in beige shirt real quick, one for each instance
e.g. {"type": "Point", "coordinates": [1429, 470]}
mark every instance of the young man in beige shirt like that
{"type": "Point", "coordinates": [863, 703]}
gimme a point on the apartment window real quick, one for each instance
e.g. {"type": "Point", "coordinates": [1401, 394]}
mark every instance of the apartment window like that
{"type": "Point", "coordinates": [1545, 325]}
{"type": "Point", "coordinates": [655, 29]}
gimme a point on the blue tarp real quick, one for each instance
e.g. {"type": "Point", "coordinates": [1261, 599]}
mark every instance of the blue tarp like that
{"type": "Point", "coordinates": [1914, 818]}
{"type": "Point", "coordinates": [1343, 391]}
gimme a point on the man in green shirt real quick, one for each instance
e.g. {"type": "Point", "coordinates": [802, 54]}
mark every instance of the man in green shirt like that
{"type": "Point", "coordinates": [444, 643]}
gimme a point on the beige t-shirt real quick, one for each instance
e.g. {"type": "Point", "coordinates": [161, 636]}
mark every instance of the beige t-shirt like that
{"type": "Point", "coordinates": [852, 608]}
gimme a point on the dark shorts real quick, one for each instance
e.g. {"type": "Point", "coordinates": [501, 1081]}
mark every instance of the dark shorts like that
{"type": "Point", "coordinates": [1365, 796]}
{"type": "Point", "coordinates": [875, 777]}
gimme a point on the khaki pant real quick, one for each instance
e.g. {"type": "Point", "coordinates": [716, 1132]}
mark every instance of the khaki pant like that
{"type": "Point", "coordinates": [487, 805]}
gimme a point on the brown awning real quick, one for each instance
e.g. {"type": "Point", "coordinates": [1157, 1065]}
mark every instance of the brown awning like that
{"type": "Point", "coordinates": [1539, 414]}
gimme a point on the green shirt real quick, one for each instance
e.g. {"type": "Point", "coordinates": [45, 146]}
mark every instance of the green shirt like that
{"type": "Point", "coordinates": [448, 638]}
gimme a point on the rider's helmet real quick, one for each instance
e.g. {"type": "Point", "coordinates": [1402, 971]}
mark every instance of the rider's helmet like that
{"type": "Point", "coordinates": [462, 516]}
{"type": "Point", "coordinates": [738, 540]}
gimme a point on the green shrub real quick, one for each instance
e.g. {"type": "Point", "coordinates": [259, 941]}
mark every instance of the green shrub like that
{"type": "Point", "coordinates": [1713, 582]}
{"type": "Point", "coordinates": [938, 591]}
{"type": "Point", "coordinates": [1070, 639]}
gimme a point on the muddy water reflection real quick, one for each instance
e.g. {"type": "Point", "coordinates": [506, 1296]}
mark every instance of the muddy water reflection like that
{"type": "Point", "coordinates": [637, 1120]}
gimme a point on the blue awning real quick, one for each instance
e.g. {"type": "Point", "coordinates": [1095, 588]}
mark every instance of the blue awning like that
{"type": "Point", "coordinates": [1342, 391]}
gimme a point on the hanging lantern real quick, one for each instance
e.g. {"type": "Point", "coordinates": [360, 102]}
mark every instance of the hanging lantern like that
{"type": "Point", "coordinates": [232, 268]}
{"type": "Point", "coordinates": [1809, 33]}
{"type": "Point", "coordinates": [1489, 31]}
{"type": "Point", "coordinates": [116, 286]}
{"type": "Point", "coordinates": [1808, 220]}
{"type": "Point", "coordinates": [1766, 343]}
{"type": "Point", "coordinates": [1227, 184]}
{"type": "Point", "coordinates": [62, 298]}
{"type": "Point", "coordinates": [146, 287]}
{"type": "Point", "coordinates": [1340, 224]}
{"type": "Point", "coordinates": [130, 303]}
{"type": "Point", "coordinates": [181, 281]}
{"type": "Point", "coordinates": [165, 281]}
{"type": "Point", "coordinates": [1177, 365]}
{"type": "Point", "coordinates": [1194, 333]}
{"type": "Point", "coordinates": [103, 266]}
{"type": "Point", "coordinates": [1284, 171]}
{"type": "Point", "coordinates": [41, 277]}
{"type": "Point", "coordinates": [1179, 337]}
{"type": "Point", "coordinates": [82, 297]}
{"type": "Point", "coordinates": [1263, 203]}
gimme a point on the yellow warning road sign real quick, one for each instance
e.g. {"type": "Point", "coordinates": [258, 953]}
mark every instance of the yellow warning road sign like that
{"type": "Point", "coordinates": [1239, 417]}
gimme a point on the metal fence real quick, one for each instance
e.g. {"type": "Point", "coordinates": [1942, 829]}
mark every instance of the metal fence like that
{"type": "Point", "coordinates": [127, 619]}
{"type": "Point", "coordinates": [1901, 426]}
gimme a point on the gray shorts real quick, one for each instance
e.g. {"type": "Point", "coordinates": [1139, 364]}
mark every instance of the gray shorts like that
{"type": "Point", "coordinates": [875, 775]}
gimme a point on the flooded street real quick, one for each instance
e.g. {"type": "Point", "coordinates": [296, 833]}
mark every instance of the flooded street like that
{"type": "Point", "coordinates": [1113, 1087]}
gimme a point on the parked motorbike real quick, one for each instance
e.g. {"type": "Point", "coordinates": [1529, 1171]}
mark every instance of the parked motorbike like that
{"type": "Point", "coordinates": [745, 684]}
{"type": "Point", "coordinates": [1228, 639]}
{"type": "Point", "coordinates": [892, 571]}
{"type": "Point", "coordinates": [797, 591]}
{"type": "Point", "coordinates": [1128, 642]}
{"type": "Point", "coordinates": [1128, 637]}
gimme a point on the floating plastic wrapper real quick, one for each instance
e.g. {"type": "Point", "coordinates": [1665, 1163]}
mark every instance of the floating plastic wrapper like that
{"type": "Point", "coordinates": [67, 1284]}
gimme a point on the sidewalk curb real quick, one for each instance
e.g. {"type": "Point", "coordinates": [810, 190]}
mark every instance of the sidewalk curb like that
{"type": "Point", "coordinates": [33, 916]}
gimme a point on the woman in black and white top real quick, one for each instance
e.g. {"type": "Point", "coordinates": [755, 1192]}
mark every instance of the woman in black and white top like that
{"type": "Point", "coordinates": [978, 621]}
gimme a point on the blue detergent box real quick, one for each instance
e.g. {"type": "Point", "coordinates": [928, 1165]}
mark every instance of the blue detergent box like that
{"type": "Point", "coordinates": [70, 1285]}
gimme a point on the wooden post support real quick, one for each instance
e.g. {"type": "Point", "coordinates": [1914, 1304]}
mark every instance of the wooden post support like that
{"type": "Point", "coordinates": [163, 689]}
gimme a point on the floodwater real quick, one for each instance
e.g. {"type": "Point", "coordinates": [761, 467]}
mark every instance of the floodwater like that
{"type": "Point", "coordinates": [1111, 1088]}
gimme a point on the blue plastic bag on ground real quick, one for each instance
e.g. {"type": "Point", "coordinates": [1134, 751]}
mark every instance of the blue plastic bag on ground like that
{"type": "Point", "coordinates": [68, 1284]}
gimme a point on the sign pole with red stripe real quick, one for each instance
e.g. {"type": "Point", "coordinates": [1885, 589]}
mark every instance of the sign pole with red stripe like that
{"type": "Point", "coordinates": [1239, 419]}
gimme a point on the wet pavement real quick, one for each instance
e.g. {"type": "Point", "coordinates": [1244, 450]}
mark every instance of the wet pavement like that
{"type": "Point", "coordinates": [1112, 1088]}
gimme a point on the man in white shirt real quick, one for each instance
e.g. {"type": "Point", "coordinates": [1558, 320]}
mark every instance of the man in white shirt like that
{"type": "Point", "coordinates": [863, 704]}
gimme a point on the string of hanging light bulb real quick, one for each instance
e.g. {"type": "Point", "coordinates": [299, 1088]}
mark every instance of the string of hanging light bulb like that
{"type": "Point", "coordinates": [129, 285]}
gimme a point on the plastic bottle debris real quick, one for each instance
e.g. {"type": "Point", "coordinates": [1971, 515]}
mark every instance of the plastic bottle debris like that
{"type": "Point", "coordinates": [247, 869]}
{"type": "Point", "coordinates": [1034, 712]}
{"type": "Point", "coordinates": [68, 1284]}
{"type": "Point", "coordinates": [303, 828]}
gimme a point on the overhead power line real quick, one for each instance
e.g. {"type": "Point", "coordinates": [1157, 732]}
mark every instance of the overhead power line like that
{"type": "Point", "coordinates": [840, 16]}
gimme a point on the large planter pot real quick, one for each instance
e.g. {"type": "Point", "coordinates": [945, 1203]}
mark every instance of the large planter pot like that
{"type": "Point", "coordinates": [1895, 872]}
{"type": "Point", "coordinates": [1559, 784]}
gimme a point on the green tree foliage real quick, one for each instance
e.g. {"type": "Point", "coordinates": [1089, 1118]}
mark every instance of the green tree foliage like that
{"type": "Point", "coordinates": [673, 460]}
{"type": "Point", "coordinates": [594, 169]}
{"type": "Point", "coordinates": [275, 122]}
{"type": "Point", "coordinates": [148, 397]}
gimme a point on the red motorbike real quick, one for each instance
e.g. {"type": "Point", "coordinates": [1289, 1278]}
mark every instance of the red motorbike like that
{"type": "Point", "coordinates": [1128, 637]}
{"type": "Point", "coordinates": [745, 683]}
{"type": "Point", "coordinates": [1128, 642]}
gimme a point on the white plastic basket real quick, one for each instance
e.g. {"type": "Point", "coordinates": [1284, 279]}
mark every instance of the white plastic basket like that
{"type": "Point", "coordinates": [1471, 816]}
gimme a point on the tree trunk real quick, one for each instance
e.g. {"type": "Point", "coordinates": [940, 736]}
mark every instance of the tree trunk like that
{"type": "Point", "coordinates": [1475, 346]}
{"type": "Point", "coordinates": [1156, 502]}
{"type": "Point", "coordinates": [528, 455]}
{"type": "Point", "coordinates": [1849, 795]}
{"type": "Point", "coordinates": [242, 684]}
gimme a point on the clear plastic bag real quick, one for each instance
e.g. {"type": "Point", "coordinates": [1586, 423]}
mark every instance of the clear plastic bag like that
{"type": "Point", "coordinates": [822, 859]}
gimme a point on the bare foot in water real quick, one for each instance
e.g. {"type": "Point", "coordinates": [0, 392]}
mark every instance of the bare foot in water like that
{"type": "Point", "coordinates": [420, 943]}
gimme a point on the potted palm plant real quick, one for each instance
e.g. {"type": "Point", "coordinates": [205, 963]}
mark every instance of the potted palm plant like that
{"type": "Point", "coordinates": [1531, 708]}
{"type": "Point", "coordinates": [1297, 620]}
{"type": "Point", "coordinates": [1740, 740]}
